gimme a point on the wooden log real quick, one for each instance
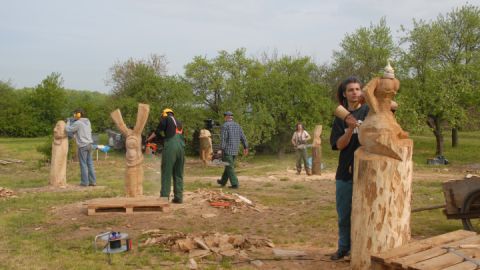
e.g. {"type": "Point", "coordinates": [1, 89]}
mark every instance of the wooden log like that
{"type": "Point", "coordinates": [58, 165]}
{"type": "Point", "coordinates": [317, 151]}
{"type": "Point", "coordinates": [381, 203]}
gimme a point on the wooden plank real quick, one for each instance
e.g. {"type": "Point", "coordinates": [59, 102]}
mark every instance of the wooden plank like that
{"type": "Point", "coordinates": [433, 252]}
{"type": "Point", "coordinates": [462, 266]}
{"type": "Point", "coordinates": [421, 245]}
{"type": "Point", "coordinates": [439, 262]}
{"type": "Point", "coordinates": [13, 160]}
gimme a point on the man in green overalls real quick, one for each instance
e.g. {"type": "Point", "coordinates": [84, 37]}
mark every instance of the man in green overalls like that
{"type": "Point", "coordinates": [173, 155]}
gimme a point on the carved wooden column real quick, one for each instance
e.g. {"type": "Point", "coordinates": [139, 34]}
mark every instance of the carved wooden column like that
{"type": "Point", "coordinates": [382, 179]}
{"type": "Point", "coordinates": [205, 146]}
{"type": "Point", "coordinates": [133, 144]}
{"type": "Point", "coordinates": [58, 166]}
{"type": "Point", "coordinates": [317, 151]}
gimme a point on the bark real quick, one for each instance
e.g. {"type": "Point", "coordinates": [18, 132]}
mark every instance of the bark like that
{"type": "Point", "coordinates": [434, 122]}
{"type": "Point", "coordinates": [454, 137]}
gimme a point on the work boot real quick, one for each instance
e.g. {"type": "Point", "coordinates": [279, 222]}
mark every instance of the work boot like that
{"type": "Point", "coordinates": [177, 200]}
{"type": "Point", "coordinates": [339, 255]}
{"type": "Point", "coordinates": [309, 171]}
{"type": "Point", "coordinates": [219, 181]}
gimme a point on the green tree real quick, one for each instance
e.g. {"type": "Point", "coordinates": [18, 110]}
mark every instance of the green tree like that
{"type": "Point", "coordinates": [47, 101]}
{"type": "Point", "coordinates": [440, 71]}
{"type": "Point", "coordinates": [460, 31]}
{"type": "Point", "coordinates": [144, 81]}
{"type": "Point", "coordinates": [363, 53]}
{"type": "Point", "coordinates": [285, 94]}
{"type": "Point", "coordinates": [221, 84]}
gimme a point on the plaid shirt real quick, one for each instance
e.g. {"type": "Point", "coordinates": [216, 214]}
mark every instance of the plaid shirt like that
{"type": "Point", "coordinates": [231, 136]}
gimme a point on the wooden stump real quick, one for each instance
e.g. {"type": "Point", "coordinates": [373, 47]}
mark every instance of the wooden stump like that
{"type": "Point", "coordinates": [381, 203]}
{"type": "Point", "coordinates": [317, 160]}
{"type": "Point", "coordinates": [317, 151]}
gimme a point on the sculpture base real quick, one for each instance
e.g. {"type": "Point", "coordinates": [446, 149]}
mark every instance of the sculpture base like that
{"type": "Point", "coordinates": [381, 203]}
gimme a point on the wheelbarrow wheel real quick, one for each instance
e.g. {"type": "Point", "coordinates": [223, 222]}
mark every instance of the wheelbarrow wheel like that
{"type": "Point", "coordinates": [471, 204]}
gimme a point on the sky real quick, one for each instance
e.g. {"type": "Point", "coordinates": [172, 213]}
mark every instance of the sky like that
{"type": "Point", "coordinates": [81, 40]}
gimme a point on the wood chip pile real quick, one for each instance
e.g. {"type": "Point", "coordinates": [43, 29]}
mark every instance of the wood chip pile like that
{"type": "Point", "coordinates": [232, 201]}
{"type": "Point", "coordinates": [5, 193]}
{"type": "Point", "coordinates": [201, 245]}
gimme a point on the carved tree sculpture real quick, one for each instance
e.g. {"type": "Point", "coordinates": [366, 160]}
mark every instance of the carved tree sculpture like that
{"type": "Point", "coordinates": [205, 146]}
{"type": "Point", "coordinates": [133, 144]}
{"type": "Point", "coordinates": [317, 151]}
{"type": "Point", "coordinates": [382, 192]}
{"type": "Point", "coordinates": [58, 167]}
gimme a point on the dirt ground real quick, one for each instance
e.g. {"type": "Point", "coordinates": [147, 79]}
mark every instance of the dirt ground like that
{"type": "Point", "coordinates": [300, 221]}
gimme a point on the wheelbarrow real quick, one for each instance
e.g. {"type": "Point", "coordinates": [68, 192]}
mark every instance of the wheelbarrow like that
{"type": "Point", "coordinates": [462, 201]}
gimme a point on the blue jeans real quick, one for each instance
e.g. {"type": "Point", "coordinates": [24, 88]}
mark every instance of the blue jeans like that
{"type": "Point", "coordinates": [343, 196]}
{"type": "Point", "coordinates": [87, 172]}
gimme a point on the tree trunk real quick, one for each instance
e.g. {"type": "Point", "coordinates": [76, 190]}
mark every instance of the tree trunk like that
{"type": "Point", "coordinates": [434, 122]}
{"type": "Point", "coordinates": [381, 203]}
{"type": "Point", "coordinates": [439, 137]}
{"type": "Point", "coordinates": [454, 137]}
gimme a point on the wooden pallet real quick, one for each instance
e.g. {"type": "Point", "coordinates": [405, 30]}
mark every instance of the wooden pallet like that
{"type": "Point", "coordinates": [433, 253]}
{"type": "Point", "coordinates": [127, 205]}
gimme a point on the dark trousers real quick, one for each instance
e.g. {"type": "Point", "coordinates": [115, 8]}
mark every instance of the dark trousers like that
{"type": "Point", "coordinates": [229, 171]}
{"type": "Point", "coordinates": [173, 161]}
{"type": "Point", "coordinates": [343, 196]}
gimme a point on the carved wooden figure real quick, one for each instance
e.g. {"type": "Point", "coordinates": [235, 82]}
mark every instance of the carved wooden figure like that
{"type": "Point", "coordinates": [380, 131]}
{"type": "Point", "coordinates": [133, 144]}
{"type": "Point", "coordinates": [205, 146]}
{"type": "Point", "coordinates": [317, 151]}
{"type": "Point", "coordinates": [58, 167]}
{"type": "Point", "coordinates": [382, 179]}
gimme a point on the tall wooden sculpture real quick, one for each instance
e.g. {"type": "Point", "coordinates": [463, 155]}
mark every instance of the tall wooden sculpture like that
{"type": "Point", "coordinates": [382, 178]}
{"type": "Point", "coordinates": [133, 144]}
{"type": "Point", "coordinates": [58, 168]}
{"type": "Point", "coordinates": [317, 151]}
{"type": "Point", "coordinates": [205, 146]}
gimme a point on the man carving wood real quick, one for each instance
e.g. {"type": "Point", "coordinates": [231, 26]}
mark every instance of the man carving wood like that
{"type": "Point", "coordinates": [133, 144]}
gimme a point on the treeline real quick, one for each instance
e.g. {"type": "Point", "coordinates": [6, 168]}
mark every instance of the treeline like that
{"type": "Point", "coordinates": [437, 62]}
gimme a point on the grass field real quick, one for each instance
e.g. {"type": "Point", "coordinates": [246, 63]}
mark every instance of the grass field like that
{"type": "Point", "coordinates": [37, 231]}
